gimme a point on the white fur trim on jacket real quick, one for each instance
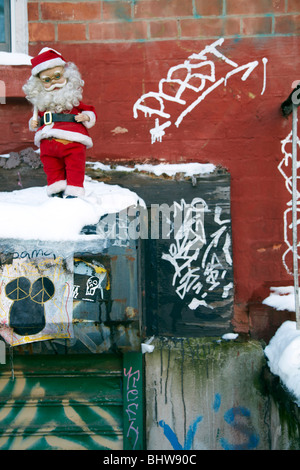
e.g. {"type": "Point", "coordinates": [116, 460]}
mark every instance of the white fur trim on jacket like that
{"type": "Point", "coordinates": [56, 187]}
{"type": "Point", "coordinates": [50, 131]}
{"type": "Point", "coordinates": [92, 121]}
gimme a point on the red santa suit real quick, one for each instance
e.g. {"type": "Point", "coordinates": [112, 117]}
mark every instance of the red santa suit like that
{"type": "Point", "coordinates": [63, 149]}
{"type": "Point", "coordinates": [61, 139]}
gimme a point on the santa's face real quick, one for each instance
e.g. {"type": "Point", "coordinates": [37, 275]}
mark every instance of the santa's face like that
{"type": "Point", "coordinates": [53, 79]}
{"type": "Point", "coordinates": [56, 89]}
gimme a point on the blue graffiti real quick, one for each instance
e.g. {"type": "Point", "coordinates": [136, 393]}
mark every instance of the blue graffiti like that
{"type": "Point", "coordinates": [231, 417]}
{"type": "Point", "coordinates": [171, 436]}
{"type": "Point", "coordinates": [217, 402]}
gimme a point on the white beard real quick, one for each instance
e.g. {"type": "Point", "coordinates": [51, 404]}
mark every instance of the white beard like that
{"type": "Point", "coordinates": [59, 99]}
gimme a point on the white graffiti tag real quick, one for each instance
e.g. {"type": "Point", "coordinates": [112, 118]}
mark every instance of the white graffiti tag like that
{"type": "Point", "coordinates": [285, 168]}
{"type": "Point", "coordinates": [200, 263]}
{"type": "Point", "coordinates": [189, 238]}
{"type": "Point", "coordinates": [197, 74]}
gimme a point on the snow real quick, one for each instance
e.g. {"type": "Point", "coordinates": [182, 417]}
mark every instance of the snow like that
{"type": "Point", "coordinates": [283, 354]}
{"type": "Point", "coordinates": [188, 169]}
{"type": "Point", "coordinates": [281, 298]}
{"type": "Point", "coordinates": [29, 214]}
{"type": "Point", "coordinates": [230, 336]}
{"type": "Point", "coordinates": [14, 58]}
{"type": "Point", "coordinates": [147, 347]}
{"type": "Point", "coordinates": [283, 350]}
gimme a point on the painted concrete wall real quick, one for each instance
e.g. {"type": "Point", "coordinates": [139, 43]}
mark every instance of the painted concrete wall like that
{"type": "Point", "coordinates": [212, 394]}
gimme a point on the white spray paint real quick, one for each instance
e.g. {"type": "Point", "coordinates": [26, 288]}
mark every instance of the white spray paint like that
{"type": "Point", "coordinates": [285, 168]}
{"type": "Point", "coordinates": [190, 242]}
{"type": "Point", "coordinates": [195, 68]}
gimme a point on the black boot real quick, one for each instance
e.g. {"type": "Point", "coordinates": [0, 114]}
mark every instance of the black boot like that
{"type": "Point", "coordinates": [60, 194]}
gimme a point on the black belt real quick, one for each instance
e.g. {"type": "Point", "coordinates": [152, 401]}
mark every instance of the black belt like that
{"type": "Point", "coordinates": [49, 117]}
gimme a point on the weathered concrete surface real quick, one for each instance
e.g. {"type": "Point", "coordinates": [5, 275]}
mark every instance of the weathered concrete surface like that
{"type": "Point", "coordinates": [213, 394]}
{"type": "Point", "coordinates": [21, 170]}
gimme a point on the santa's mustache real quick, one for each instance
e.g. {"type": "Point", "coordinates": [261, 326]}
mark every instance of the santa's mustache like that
{"type": "Point", "coordinates": [56, 85]}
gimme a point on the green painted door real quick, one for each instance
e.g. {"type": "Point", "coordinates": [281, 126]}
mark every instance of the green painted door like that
{"type": "Point", "coordinates": [70, 402]}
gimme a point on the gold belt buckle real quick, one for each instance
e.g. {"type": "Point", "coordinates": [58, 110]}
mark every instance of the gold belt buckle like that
{"type": "Point", "coordinates": [48, 118]}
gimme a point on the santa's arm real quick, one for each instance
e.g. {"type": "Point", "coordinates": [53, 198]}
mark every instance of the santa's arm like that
{"type": "Point", "coordinates": [87, 116]}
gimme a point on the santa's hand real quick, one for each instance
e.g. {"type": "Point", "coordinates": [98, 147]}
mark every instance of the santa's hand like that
{"type": "Point", "coordinates": [82, 117]}
{"type": "Point", "coordinates": [34, 123]}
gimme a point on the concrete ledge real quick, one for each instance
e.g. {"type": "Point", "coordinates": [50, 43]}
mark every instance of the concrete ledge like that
{"type": "Point", "coordinates": [207, 393]}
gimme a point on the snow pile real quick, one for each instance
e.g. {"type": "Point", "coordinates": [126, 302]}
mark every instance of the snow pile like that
{"type": "Point", "coordinates": [14, 58]}
{"type": "Point", "coordinates": [230, 336]}
{"type": "Point", "coordinates": [188, 169]}
{"type": "Point", "coordinates": [283, 351]}
{"type": "Point", "coordinates": [31, 214]}
{"type": "Point", "coordinates": [283, 354]}
{"type": "Point", "coordinates": [281, 298]}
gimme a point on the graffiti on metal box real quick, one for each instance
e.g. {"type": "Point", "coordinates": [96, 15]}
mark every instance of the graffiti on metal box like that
{"type": "Point", "coordinates": [38, 294]}
{"type": "Point", "coordinates": [90, 281]}
{"type": "Point", "coordinates": [184, 253]}
{"type": "Point", "coordinates": [189, 276]}
{"type": "Point", "coordinates": [35, 300]}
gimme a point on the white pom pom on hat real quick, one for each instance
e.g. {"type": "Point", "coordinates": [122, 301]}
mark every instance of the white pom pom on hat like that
{"type": "Point", "coordinates": [46, 59]}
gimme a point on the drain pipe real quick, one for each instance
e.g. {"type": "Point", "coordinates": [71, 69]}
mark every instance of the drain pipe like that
{"type": "Point", "coordinates": [294, 212]}
{"type": "Point", "coordinates": [291, 105]}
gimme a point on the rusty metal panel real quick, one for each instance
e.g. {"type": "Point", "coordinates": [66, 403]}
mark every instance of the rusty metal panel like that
{"type": "Point", "coordinates": [187, 266]}
{"type": "Point", "coordinates": [62, 305]}
{"type": "Point", "coordinates": [70, 297]}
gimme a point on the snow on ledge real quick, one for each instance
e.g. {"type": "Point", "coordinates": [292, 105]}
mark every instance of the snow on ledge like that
{"type": "Point", "coordinates": [230, 336]}
{"type": "Point", "coordinates": [283, 354]}
{"type": "Point", "coordinates": [29, 214]}
{"type": "Point", "coordinates": [14, 58]}
{"type": "Point", "coordinates": [283, 350]}
{"type": "Point", "coordinates": [170, 169]}
{"type": "Point", "coordinates": [281, 298]}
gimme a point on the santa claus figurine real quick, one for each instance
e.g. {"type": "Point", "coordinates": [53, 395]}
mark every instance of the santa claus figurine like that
{"type": "Point", "coordinates": [61, 121]}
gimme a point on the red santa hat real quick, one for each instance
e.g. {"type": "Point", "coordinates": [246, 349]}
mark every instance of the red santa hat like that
{"type": "Point", "coordinates": [46, 59]}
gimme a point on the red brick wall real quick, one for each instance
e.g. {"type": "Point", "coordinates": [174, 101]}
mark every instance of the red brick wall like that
{"type": "Point", "coordinates": [134, 20]}
{"type": "Point", "coordinates": [124, 48]}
